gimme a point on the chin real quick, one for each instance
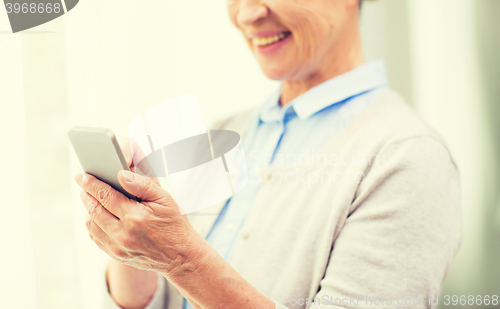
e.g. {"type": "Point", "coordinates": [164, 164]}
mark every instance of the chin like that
{"type": "Point", "coordinates": [275, 72]}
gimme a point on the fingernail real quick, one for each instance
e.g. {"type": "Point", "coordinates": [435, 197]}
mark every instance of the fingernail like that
{"type": "Point", "coordinates": [129, 176]}
{"type": "Point", "coordinates": [78, 178]}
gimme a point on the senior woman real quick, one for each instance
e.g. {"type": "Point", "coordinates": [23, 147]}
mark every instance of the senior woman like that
{"type": "Point", "coordinates": [352, 200]}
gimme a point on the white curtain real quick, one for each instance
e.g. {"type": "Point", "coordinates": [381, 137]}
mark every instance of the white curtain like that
{"type": "Point", "coordinates": [18, 275]}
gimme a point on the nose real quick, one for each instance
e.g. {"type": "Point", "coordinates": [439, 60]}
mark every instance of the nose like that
{"type": "Point", "coordinates": [251, 11]}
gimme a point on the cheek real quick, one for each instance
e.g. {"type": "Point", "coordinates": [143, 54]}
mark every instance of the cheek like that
{"type": "Point", "coordinates": [309, 21]}
{"type": "Point", "coordinates": [232, 9]}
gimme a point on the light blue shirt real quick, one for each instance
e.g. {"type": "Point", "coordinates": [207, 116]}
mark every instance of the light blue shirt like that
{"type": "Point", "coordinates": [285, 135]}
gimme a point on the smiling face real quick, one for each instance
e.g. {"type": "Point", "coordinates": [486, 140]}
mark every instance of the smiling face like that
{"type": "Point", "coordinates": [293, 39]}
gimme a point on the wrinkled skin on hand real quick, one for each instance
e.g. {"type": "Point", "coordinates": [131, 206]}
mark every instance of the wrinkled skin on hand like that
{"type": "Point", "coordinates": [149, 234]}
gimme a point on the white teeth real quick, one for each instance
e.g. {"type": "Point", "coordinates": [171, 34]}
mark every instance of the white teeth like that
{"type": "Point", "coordinates": [263, 41]}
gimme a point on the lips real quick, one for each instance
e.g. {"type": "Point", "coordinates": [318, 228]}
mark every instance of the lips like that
{"type": "Point", "coordinates": [266, 40]}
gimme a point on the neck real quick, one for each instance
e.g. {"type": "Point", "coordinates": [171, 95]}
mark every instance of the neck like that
{"type": "Point", "coordinates": [345, 55]}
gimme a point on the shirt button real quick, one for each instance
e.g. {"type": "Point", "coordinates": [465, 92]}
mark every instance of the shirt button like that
{"type": "Point", "coordinates": [245, 235]}
{"type": "Point", "coordinates": [268, 176]}
{"type": "Point", "coordinates": [229, 227]}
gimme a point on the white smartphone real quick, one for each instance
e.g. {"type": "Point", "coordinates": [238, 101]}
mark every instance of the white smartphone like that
{"type": "Point", "coordinates": [99, 154]}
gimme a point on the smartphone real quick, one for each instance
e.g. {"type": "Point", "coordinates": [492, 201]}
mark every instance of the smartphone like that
{"type": "Point", "coordinates": [99, 154]}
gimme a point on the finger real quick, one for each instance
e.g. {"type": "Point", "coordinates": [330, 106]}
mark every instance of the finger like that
{"type": "Point", "coordinates": [106, 242]}
{"type": "Point", "coordinates": [127, 153]}
{"type": "Point", "coordinates": [144, 188]}
{"type": "Point", "coordinates": [111, 199]}
{"type": "Point", "coordinates": [137, 160]}
{"type": "Point", "coordinates": [100, 216]}
{"type": "Point", "coordinates": [96, 233]}
{"type": "Point", "coordinates": [135, 152]}
{"type": "Point", "coordinates": [100, 245]}
{"type": "Point", "coordinates": [88, 222]}
{"type": "Point", "coordinates": [88, 201]}
{"type": "Point", "coordinates": [106, 221]}
{"type": "Point", "coordinates": [106, 250]}
{"type": "Point", "coordinates": [104, 245]}
{"type": "Point", "coordinates": [108, 245]}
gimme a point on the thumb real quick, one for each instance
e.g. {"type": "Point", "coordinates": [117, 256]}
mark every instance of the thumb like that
{"type": "Point", "coordinates": [144, 188]}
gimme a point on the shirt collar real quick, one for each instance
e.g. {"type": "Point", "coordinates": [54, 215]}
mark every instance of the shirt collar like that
{"type": "Point", "coordinates": [364, 78]}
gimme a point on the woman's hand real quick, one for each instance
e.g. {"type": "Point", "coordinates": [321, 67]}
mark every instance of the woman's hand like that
{"type": "Point", "coordinates": [149, 235]}
{"type": "Point", "coordinates": [153, 235]}
{"type": "Point", "coordinates": [134, 154]}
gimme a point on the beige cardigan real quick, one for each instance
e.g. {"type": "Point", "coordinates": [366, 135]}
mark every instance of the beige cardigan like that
{"type": "Point", "coordinates": [345, 243]}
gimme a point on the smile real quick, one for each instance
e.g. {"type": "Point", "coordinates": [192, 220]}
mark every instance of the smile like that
{"type": "Point", "coordinates": [269, 40]}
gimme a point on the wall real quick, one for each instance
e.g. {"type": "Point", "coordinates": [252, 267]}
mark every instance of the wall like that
{"type": "Point", "coordinates": [19, 287]}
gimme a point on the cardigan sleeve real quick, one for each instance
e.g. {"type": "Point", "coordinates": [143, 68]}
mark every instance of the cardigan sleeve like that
{"type": "Point", "coordinates": [401, 234]}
